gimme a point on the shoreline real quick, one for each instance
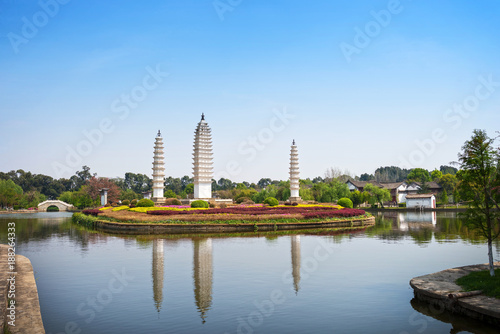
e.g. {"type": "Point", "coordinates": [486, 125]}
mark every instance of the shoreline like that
{"type": "Point", "coordinates": [436, 288]}
{"type": "Point", "coordinates": [28, 318]}
{"type": "Point", "coordinates": [414, 209]}
{"type": "Point", "coordinates": [155, 228]}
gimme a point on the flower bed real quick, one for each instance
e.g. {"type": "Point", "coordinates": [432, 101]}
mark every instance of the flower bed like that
{"type": "Point", "coordinates": [305, 211]}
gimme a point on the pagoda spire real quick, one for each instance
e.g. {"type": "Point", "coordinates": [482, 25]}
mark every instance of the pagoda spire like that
{"type": "Point", "coordinates": [294, 174]}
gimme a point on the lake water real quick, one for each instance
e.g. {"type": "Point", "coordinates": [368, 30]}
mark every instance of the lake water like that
{"type": "Point", "coordinates": [92, 282]}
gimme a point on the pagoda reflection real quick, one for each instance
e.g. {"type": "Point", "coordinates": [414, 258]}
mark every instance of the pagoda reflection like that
{"type": "Point", "coordinates": [296, 262]}
{"type": "Point", "coordinates": [202, 274]}
{"type": "Point", "coordinates": [157, 272]}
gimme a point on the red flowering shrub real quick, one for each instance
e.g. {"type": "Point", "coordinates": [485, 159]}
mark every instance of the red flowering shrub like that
{"type": "Point", "coordinates": [339, 213]}
{"type": "Point", "coordinates": [93, 212]}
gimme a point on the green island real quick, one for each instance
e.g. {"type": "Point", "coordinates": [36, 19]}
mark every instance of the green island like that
{"type": "Point", "coordinates": [260, 216]}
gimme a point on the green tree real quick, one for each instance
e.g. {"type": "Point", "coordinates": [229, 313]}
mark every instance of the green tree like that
{"type": "Point", "coordinates": [366, 177]}
{"type": "Point", "coordinates": [306, 194]}
{"type": "Point", "coordinates": [419, 175]}
{"type": "Point", "coordinates": [139, 183]}
{"type": "Point", "coordinates": [424, 188]}
{"type": "Point", "coordinates": [436, 175]}
{"type": "Point", "coordinates": [129, 195]}
{"type": "Point", "coordinates": [444, 197]}
{"type": "Point", "coordinates": [378, 195]}
{"type": "Point", "coordinates": [480, 184]}
{"type": "Point", "coordinates": [448, 170]}
{"type": "Point", "coordinates": [448, 182]}
{"type": "Point", "coordinates": [10, 193]}
{"type": "Point", "coordinates": [189, 188]}
{"type": "Point", "coordinates": [169, 194]}
{"type": "Point", "coordinates": [263, 183]}
{"type": "Point", "coordinates": [358, 197]}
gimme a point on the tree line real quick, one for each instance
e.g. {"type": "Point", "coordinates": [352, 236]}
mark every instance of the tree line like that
{"type": "Point", "coordinates": [21, 189]}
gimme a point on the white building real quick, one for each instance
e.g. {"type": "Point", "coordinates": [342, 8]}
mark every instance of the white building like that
{"type": "Point", "coordinates": [202, 161]}
{"type": "Point", "coordinates": [426, 201]}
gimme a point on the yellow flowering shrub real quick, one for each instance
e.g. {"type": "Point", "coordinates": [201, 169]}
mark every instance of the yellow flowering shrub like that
{"type": "Point", "coordinates": [119, 208]}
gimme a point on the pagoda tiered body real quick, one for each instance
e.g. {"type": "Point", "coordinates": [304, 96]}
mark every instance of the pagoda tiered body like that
{"type": "Point", "coordinates": [158, 170]}
{"type": "Point", "coordinates": [294, 174]}
{"type": "Point", "coordinates": [202, 161]}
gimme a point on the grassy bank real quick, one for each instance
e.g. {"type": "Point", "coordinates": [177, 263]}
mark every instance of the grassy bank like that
{"type": "Point", "coordinates": [481, 280]}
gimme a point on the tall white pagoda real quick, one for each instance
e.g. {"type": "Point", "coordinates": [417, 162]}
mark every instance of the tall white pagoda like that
{"type": "Point", "coordinates": [202, 160]}
{"type": "Point", "coordinates": [158, 170]}
{"type": "Point", "coordinates": [294, 174]}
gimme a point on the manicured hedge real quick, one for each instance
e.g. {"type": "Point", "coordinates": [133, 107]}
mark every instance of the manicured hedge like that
{"type": "Point", "coordinates": [199, 204]}
{"type": "Point", "coordinates": [145, 203]}
{"type": "Point", "coordinates": [271, 201]}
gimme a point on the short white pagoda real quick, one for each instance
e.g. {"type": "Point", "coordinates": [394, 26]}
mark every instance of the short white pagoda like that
{"type": "Point", "coordinates": [158, 170]}
{"type": "Point", "coordinates": [202, 161]}
{"type": "Point", "coordinates": [294, 174]}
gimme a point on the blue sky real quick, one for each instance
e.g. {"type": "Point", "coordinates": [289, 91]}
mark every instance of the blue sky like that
{"type": "Point", "coordinates": [360, 84]}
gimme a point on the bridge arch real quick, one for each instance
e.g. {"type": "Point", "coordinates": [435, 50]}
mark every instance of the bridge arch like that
{"type": "Point", "coordinates": [62, 206]}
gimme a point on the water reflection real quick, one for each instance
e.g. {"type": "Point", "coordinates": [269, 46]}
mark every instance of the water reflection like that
{"type": "Point", "coordinates": [416, 220]}
{"type": "Point", "coordinates": [296, 262]}
{"type": "Point", "coordinates": [79, 252]}
{"type": "Point", "coordinates": [459, 324]}
{"type": "Point", "coordinates": [157, 270]}
{"type": "Point", "coordinates": [202, 274]}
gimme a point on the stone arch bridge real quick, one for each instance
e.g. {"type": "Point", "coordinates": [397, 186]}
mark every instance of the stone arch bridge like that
{"type": "Point", "coordinates": [62, 206]}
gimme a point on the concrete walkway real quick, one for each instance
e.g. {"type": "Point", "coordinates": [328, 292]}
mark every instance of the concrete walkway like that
{"type": "Point", "coordinates": [27, 312]}
{"type": "Point", "coordinates": [435, 288]}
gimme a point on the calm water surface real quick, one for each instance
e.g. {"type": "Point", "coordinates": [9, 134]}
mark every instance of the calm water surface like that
{"type": "Point", "coordinates": [92, 282]}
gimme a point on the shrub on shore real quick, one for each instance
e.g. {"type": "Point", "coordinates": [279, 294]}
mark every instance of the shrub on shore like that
{"type": "Point", "coordinates": [271, 201]}
{"type": "Point", "coordinates": [345, 202]}
{"type": "Point", "coordinates": [145, 203]}
{"type": "Point", "coordinates": [199, 204]}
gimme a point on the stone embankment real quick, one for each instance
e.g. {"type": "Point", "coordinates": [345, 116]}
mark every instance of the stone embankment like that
{"type": "Point", "coordinates": [28, 319]}
{"type": "Point", "coordinates": [441, 290]}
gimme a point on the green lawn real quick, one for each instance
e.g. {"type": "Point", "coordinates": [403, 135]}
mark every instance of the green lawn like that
{"type": "Point", "coordinates": [481, 280]}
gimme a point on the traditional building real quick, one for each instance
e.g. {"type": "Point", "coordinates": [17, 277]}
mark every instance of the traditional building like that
{"type": "Point", "coordinates": [399, 190]}
{"type": "Point", "coordinates": [294, 174]}
{"type": "Point", "coordinates": [158, 171]}
{"type": "Point", "coordinates": [422, 201]}
{"type": "Point", "coordinates": [202, 161]}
